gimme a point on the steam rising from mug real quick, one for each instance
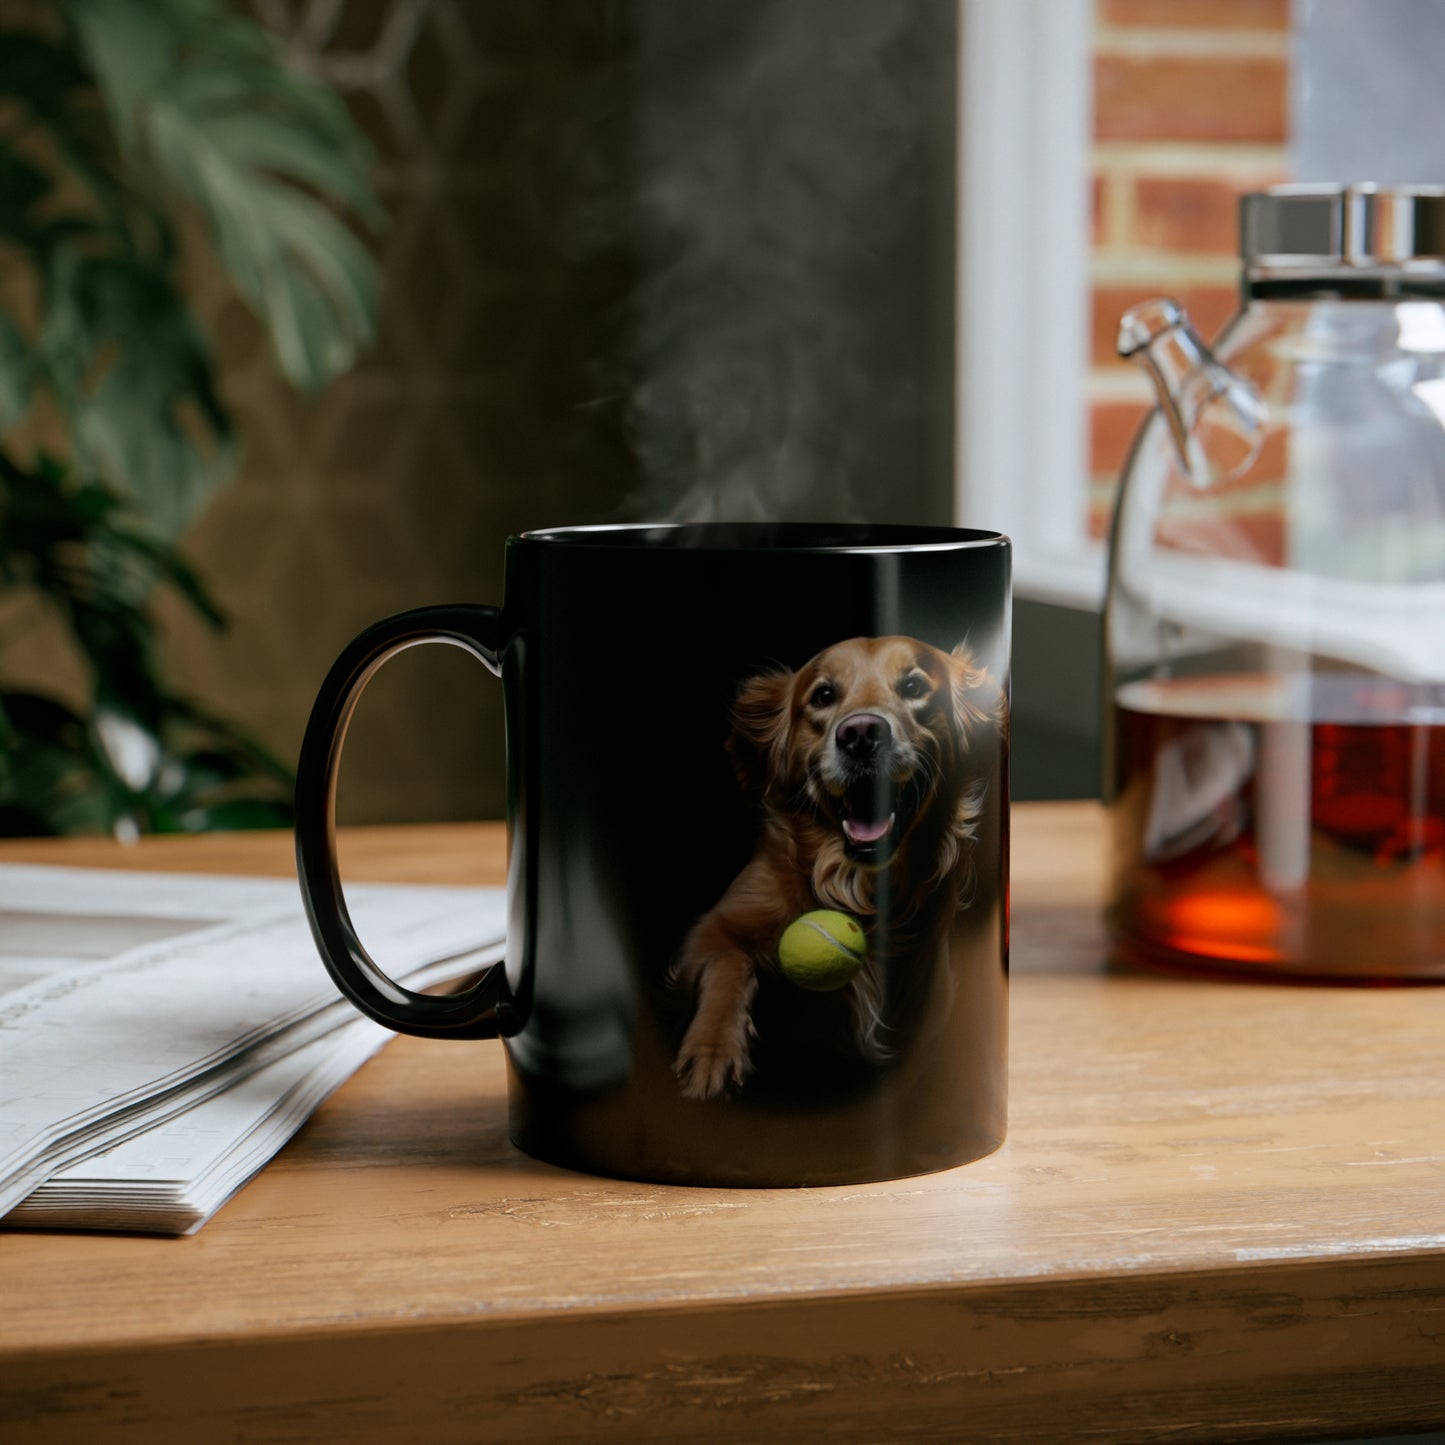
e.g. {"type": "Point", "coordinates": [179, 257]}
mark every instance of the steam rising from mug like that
{"type": "Point", "coordinates": [786, 347]}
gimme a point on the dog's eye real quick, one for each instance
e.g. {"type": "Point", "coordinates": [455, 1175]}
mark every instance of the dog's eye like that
{"type": "Point", "coordinates": [913, 686]}
{"type": "Point", "coordinates": [824, 695]}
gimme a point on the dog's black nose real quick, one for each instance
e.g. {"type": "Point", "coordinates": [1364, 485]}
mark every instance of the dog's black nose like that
{"type": "Point", "coordinates": [863, 735]}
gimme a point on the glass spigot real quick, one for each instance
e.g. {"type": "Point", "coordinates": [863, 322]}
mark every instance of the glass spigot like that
{"type": "Point", "coordinates": [1216, 418]}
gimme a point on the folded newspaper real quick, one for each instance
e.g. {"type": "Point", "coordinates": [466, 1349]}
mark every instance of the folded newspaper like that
{"type": "Point", "coordinates": [162, 1034]}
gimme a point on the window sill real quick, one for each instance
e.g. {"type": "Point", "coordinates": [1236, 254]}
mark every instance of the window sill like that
{"type": "Point", "coordinates": [1063, 578]}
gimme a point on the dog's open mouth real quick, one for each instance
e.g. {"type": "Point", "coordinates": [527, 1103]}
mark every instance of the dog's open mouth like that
{"type": "Point", "coordinates": [873, 816]}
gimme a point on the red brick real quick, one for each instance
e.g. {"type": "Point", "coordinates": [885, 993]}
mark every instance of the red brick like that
{"type": "Point", "coordinates": [1198, 14]}
{"type": "Point", "coordinates": [1219, 532]}
{"type": "Point", "coordinates": [1097, 219]}
{"type": "Point", "coordinates": [1256, 489]}
{"type": "Point", "coordinates": [1101, 516]}
{"type": "Point", "coordinates": [1112, 427]}
{"type": "Point", "coordinates": [1270, 467]}
{"type": "Point", "coordinates": [1216, 98]}
{"type": "Point", "coordinates": [1209, 307]}
{"type": "Point", "coordinates": [1186, 213]}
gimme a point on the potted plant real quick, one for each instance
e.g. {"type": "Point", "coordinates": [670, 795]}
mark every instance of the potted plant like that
{"type": "Point", "coordinates": [121, 123]}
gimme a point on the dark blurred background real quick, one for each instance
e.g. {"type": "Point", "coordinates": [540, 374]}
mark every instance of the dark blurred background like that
{"type": "Point", "coordinates": [653, 258]}
{"type": "Point", "coordinates": [682, 258]}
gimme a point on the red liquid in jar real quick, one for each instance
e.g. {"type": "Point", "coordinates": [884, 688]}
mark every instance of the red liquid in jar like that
{"type": "Point", "coordinates": [1281, 826]}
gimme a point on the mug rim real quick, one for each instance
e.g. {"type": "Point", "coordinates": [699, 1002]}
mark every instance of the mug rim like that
{"type": "Point", "coordinates": [817, 537]}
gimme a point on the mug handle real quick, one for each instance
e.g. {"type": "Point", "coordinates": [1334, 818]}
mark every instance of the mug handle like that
{"type": "Point", "coordinates": [471, 1014]}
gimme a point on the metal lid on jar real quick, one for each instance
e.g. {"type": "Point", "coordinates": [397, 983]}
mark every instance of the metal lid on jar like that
{"type": "Point", "coordinates": [1342, 229]}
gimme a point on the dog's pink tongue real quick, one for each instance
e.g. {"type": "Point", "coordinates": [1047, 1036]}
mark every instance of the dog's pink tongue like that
{"type": "Point", "coordinates": [861, 832]}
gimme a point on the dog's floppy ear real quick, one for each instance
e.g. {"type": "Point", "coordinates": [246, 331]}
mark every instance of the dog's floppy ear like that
{"type": "Point", "coordinates": [978, 701]}
{"type": "Point", "coordinates": [760, 717]}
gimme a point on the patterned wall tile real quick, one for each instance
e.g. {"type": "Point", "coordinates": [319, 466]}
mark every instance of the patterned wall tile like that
{"type": "Point", "coordinates": [397, 486]}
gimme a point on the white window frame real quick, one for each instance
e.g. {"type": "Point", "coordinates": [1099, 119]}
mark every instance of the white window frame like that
{"type": "Point", "coordinates": [1025, 123]}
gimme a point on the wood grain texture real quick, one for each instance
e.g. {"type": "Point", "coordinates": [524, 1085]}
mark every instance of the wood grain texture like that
{"type": "Point", "coordinates": [1219, 1214]}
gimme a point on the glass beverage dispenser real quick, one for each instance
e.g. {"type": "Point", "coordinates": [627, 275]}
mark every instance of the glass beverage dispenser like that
{"type": "Point", "coordinates": [1275, 624]}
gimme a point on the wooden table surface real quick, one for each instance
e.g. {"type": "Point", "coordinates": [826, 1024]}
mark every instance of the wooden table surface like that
{"type": "Point", "coordinates": [1220, 1214]}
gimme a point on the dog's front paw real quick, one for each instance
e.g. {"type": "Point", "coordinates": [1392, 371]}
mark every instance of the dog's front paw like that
{"type": "Point", "coordinates": [708, 1061]}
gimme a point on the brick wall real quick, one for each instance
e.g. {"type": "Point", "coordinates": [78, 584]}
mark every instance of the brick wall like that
{"type": "Point", "coordinates": [1190, 111]}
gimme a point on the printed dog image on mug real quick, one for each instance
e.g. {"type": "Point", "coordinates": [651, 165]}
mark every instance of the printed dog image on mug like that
{"type": "Point", "coordinates": [859, 763]}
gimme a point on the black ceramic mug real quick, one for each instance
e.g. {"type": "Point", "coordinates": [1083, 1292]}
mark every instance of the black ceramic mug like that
{"type": "Point", "coordinates": [758, 868]}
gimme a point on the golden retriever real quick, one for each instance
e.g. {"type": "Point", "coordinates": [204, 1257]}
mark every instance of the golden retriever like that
{"type": "Point", "coordinates": [858, 763]}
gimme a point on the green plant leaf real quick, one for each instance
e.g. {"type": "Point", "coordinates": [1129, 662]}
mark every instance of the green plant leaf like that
{"type": "Point", "coordinates": [133, 375]}
{"type": "Point", "coordinates": [39, 73]}
{"type": "Point", "coordinates": [73, 545]}
{"type": "Point", "coordinates": [233, 814]}
{"type": "Point", "coordinates": [170, 566]}
{"type": "Point", "coordinates": [52, 90]}
{"type": "Point", "coordinates": [51, 784]}
{"type": "Point", "coordinates": [265, 153]}
{"type": "Point", "coordinates": [107, 123]}
{"type": "Point", "coordinates": [17, 375]}
{"type": "Point", "coordinates": [22, 185]}
{"type": "Point", "coordinates": [306, 275]}
{"type": "Point", "coordinates": [219, 733]}
{"type": "Point", "coordinates": [63, 773]}
{"type": "Point", "coordinates": [129, 47]}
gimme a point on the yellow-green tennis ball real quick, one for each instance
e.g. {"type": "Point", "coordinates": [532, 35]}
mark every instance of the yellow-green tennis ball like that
{"type": "Point", "coordinates": [822, 950]}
